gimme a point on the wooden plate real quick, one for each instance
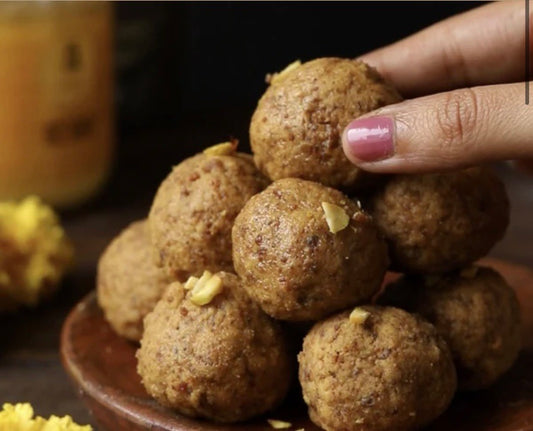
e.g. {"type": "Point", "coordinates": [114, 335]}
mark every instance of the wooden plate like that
{"type": "Point", "coordinates": [102, 366]}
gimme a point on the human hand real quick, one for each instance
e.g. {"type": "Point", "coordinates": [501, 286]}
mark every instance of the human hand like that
{"type": "Point", "coordinates": [474, 62]}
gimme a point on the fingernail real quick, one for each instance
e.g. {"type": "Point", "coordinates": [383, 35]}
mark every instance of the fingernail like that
{"type": "Point", "coordinates": [370, 139]}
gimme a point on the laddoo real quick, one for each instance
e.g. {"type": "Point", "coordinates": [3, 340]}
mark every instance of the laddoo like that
{"type": "Point", "coordinates": [297, 126]}
{"type": "Point", "coordinates": [375, 369]}
{"type": "Point", "coordinates": [194, 209]}
{"type": "Point", "coordinates": [128, 282]}
{"type": "Point", "coordinates": [435, 223]}
{"type": "Point", "coordinates": [475, 311]}
{"type": "Point", "coordinates": [305, 250]}
{"type": "Point", "coordinates": [210, 351]}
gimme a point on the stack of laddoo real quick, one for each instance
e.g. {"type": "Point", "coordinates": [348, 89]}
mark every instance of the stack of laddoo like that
{"type": "Point", "coordinates": [239, 249]}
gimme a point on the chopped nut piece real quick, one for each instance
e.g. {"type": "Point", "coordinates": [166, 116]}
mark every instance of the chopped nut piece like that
{"type": "Point", "coordinates": [222, 149]}
{"type": "Point", "coordinates": [201, 282]}
{"type": "Point", "coordinates": [271, 78]}
{"type": "Point", "coordinates": [336, 217]}
{"type": "Point", "coordinates": [205, 293]}
{"type": "Point", "coordinates": [360, 421]}
{"type": "Point", "coordinates": [412, 414]}
{"type": "Point", "coordinates": [190, 283]}
{"type": "Point", "coordinates": [359, 316]}
{"type": "Point", "coordinates": [469, 272]}
{"type": "Point", "coordinates": [279, 425]}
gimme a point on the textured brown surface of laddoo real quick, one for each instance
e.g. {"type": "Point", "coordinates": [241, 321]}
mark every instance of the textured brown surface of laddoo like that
{"type": "Point", "coordinates": [194, 209]}
{"type": "Point", "coordinates": [297, 126]}
{"type": "Point", "coordinates": [478, 315]}
{"type": "Point", "coordinates": [435, 223]}
{"type": "Point", "coordinates": [226, 361]}
{"type": "Point", "coordinates": [391, 371]}
{"type": "Point", "coordinates": [290, 261]}
{"type": "Point", "coordinates": [128, 282]}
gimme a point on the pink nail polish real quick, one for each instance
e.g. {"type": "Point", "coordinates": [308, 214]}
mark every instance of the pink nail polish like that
{"type": "Point", "coordinates": [370, 139]}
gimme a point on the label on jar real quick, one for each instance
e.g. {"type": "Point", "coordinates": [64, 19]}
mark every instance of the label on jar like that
{"type": "Point", "coordinates": [56, 105]}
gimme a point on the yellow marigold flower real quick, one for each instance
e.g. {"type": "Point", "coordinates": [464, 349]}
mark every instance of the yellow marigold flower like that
{"type": "Point", "coordinates": [34, 252]}
{"type": "Point", "coordinates": [19, 417]}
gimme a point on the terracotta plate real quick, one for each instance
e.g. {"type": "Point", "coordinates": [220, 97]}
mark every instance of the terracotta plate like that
{"type": "Point", "coordinates": [102, 366]}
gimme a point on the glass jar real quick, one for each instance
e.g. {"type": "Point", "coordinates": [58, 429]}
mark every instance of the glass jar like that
{"type": "Point", "coordinates": [56, 104]}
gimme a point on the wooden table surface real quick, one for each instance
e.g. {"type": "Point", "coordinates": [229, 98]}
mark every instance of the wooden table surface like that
{"type": "Point", "coordinates": [30, 368]}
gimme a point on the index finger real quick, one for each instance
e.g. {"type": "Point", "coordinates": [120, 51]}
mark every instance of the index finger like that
{"type": "Point", "coordinates": [482, 46]}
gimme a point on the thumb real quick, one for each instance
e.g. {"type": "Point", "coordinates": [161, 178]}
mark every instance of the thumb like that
{"type": "Point", "coordinates": [443, 131]}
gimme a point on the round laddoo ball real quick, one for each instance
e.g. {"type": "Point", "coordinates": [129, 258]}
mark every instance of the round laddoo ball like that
{"type": "Point", "coordinates": [297, 126]}
{"type": "Point", "coordinates": [128, 282]}
{"type": "Point", "coordinates": [225, 360]}
{"type": "Point", "coordinates": [435, 223]}
{"type": "Point", "coordinates": [375, 369]}
{"type": "Point", "coordinates": [194, 210]}
{"type": "Point", "coordinates": [305, 250]}
{"type": "Point", "coordinates": [475, 311]}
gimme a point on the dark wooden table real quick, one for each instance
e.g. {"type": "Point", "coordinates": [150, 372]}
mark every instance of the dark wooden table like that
{"type": "Point", "coordinates": [30, 368]}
